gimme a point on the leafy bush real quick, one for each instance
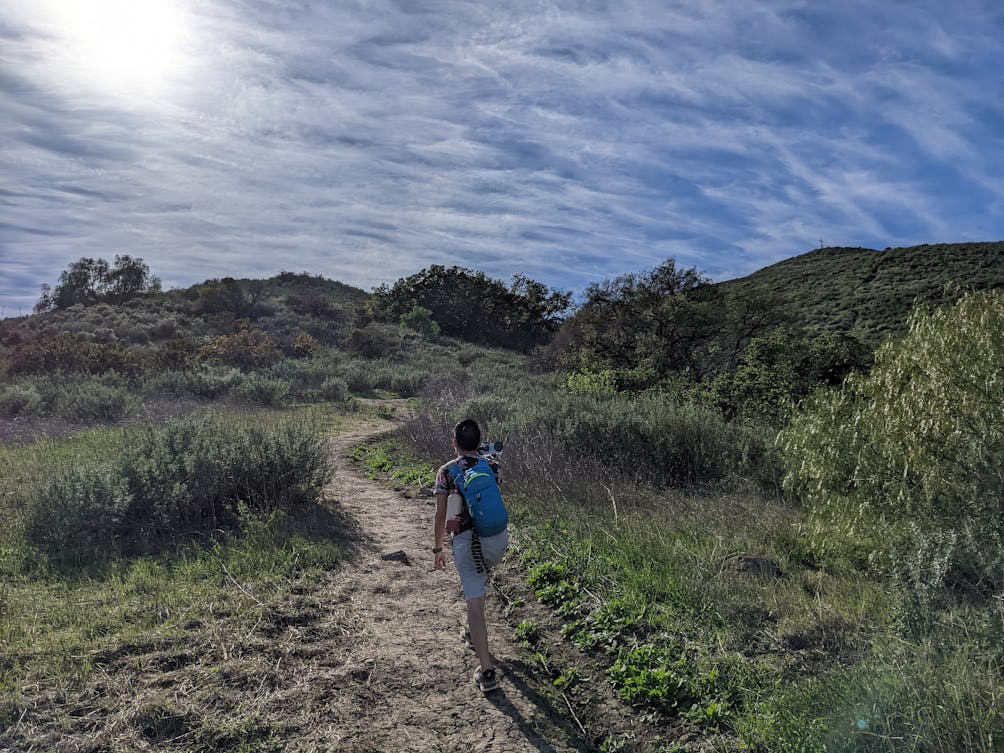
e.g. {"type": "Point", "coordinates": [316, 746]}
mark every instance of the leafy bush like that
{"type": "Point", "coordinates": [305, 345]}
{"type": "Point", "coordinates": [67, 352]}
{"type": "Point", "coordinates": [648, 437]}
{"type": "Point", "coordinates": [374, 341]}
{"type": "Point", "coordinates": [94, 401]}
{"type": "Point", "coordinates": [907, 461]}
{"type": "Point", "coordinates": [213, 382]}
{"type": "Point", "coordinates": [171, 481]}
{"type": "Point", "coordinates": [402, 380]}
{"type": "Point", "coordinates": [358, 376]}
{"type": "Point", "coordinates": [592, 382]}
{"type": "Point", "coordinates": [176, 353]}
{"type": "Point", "coordinates": [259, 389]}
{"type": "Point", "coordinates": [77, 513]}
{"type": "Point", "coordinates": [20, 400]}
{"type": "Point", "coordinates": [420, 320]}
{"type": "Point", "coordinates": [780, 368]}
{"type": "Point", "coordinates": [247, 349]}
{"type": "Point", "coordinates": [335, 389]}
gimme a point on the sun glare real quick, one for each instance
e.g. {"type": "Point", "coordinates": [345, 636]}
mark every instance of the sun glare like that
{"type": "Point", "coordinates": [122, 43]}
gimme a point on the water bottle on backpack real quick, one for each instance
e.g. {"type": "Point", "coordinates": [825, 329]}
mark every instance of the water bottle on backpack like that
{"type": "Point", "coordinates": [454, 509]}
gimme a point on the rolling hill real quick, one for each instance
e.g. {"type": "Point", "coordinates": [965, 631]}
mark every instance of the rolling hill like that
{"type": "Point", "coordinates": [869, 293]}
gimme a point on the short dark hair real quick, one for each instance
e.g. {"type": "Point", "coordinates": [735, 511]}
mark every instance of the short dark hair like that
{"type": "Point", "coordinates": [467, 435]}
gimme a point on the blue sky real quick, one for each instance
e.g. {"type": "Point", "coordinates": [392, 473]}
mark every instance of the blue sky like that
{"type": "Point", "coordinates": [570, 141]}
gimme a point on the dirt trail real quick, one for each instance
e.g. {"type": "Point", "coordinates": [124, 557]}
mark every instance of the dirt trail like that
{"type": "Point", "coordinates": [404, 683]}
{"type": "Point", "coordinates": [365, 658]}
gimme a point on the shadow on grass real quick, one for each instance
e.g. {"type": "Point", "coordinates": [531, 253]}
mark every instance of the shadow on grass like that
{"type": "Point", "coordinates": [520, 674]}
{"type": "Point", "coordinates": [327, 523]}
{"type": "Point", "coordinates": [314, 522]}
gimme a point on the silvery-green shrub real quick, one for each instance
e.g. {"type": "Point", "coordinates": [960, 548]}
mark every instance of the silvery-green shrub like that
{"type": "Point", "coordinates": [906, 464]}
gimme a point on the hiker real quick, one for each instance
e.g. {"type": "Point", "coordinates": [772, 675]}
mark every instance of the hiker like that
{"type": "Point", "coordinates": [479, 534]}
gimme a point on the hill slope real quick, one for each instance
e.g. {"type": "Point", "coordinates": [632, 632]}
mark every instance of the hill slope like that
{"type": "Point", "coordinates": [869, 293]}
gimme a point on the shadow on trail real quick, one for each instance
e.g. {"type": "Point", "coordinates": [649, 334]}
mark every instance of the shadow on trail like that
{"type": "Point", "coordinates": [329, 522]}
{"type": "Point", "coordinates": [520, 674]}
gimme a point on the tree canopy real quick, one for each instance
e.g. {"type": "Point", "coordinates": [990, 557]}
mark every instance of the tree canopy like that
{"type": "Point", "coordinates": [668, 320]}
{"type": "Point", "coordinates": [89, 281]}
{"type": "Point", "coordinates": [472, 306]}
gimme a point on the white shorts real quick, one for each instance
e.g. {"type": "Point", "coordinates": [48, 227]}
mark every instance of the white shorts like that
{"type": "Point", "coordinates": [467, 560]}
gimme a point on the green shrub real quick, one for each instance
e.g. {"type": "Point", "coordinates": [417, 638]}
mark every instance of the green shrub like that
{"type": "Point", "coordinates": [94, 401]}
{"type": "Point", "coordinates": [192, 473]}
{"type": "Point", "coordinates": [420, 320]}
{"type": "Point", "coordinates": [67, 352]}
{"type": "Point", "coordinates": [177, 353]}
{"type": "Point", "coordinates": [305, 345]}
{"type": "Point", "coordinates": [303, 373]}
{"type": "Point", "coordinates": [400, 379]}
{"type": "Point", "coordinates": [212, 382]}
{"type": "Point", "coordinates": [358, 375]}
{"type": "Point", "coordinates": [21, 400]}
{"type": "Point", "coordinates": [172, 481]}
{"type": "Point", "coordinates": [592, 382]}
{"type": "Point", "coordinates": [906, 463]}
{"type": "Point", "coordinates": [335, 389]}
{"type": "Point", "coordinates": [374, 341]}
{"type": "Point", "coordinates": [782, 367]}
{"type": "Point", "coordinates": [649, 437]}
{"type": "Point", "coordinates": [259, 389]}
{"type": "Point", "coordinates": [172, 382]}
{"type": "Point", "coordinates": [247, 349]}
{"type": "Point", "coordinates": [77, 513]}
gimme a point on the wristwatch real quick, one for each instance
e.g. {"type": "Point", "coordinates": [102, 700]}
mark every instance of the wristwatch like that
{"type": "Point", "coordinates": [437, 549]}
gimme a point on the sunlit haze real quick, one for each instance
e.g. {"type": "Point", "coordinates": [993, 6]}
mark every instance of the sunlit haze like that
{"type": "Point", "coordinates": [122, 45]}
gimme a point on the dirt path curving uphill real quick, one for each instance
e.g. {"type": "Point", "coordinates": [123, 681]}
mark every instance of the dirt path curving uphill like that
{"type": "Point", "coordinates": [404, 683]}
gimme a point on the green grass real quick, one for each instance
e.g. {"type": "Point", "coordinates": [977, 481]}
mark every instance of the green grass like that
{"type": "Point", "coordinates": [386, 458]}
{"type": "Point", "coordinates": [51, 629]}
{"type": "Point", "coordinates": [56, 624]}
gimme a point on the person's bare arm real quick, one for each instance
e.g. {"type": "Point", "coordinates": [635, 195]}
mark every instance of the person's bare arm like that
{"type": "Point", "coordinates": [440, 532]}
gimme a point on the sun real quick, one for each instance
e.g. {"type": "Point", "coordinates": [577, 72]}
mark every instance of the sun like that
{"type": "Point", "coordinates": [121, 44]}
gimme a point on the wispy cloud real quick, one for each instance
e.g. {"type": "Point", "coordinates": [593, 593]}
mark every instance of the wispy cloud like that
{"type": "Point", "coordinates": [565, 140]}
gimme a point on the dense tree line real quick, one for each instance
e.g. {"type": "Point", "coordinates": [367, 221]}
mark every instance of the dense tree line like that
{"type": "Point", "coordinates": [470, 305]}
{"type": "Point", "coordinates": [671, 328]}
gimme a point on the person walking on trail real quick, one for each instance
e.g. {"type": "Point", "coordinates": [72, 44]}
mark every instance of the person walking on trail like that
{"type": "Point", "coordinates": [478, 521]}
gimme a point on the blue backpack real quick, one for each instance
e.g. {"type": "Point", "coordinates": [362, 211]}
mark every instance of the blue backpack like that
{"type": "Point", "coordinates": [480, 490]}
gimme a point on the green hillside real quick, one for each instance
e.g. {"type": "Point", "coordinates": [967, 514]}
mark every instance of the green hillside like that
{"type": "Point", "coordinates": [868, 293]}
